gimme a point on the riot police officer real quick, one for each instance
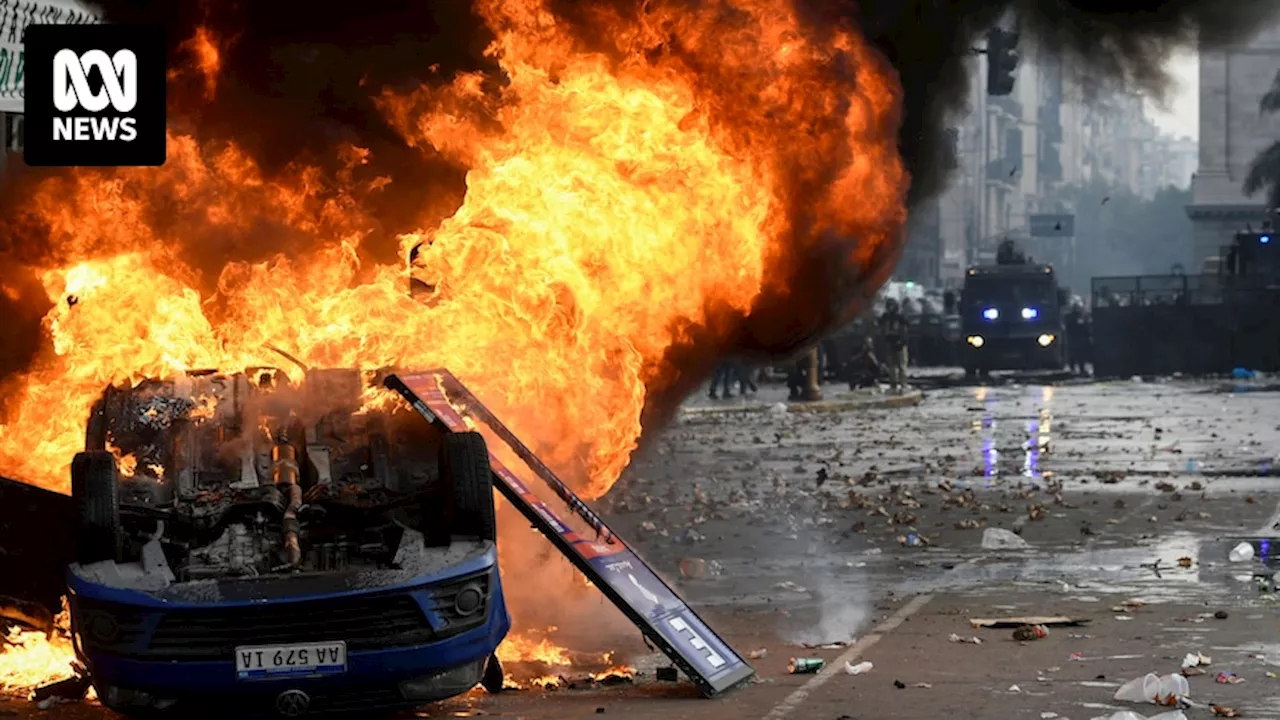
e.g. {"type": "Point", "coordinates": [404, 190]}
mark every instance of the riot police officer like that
{"type": "Point", "coordinates": [1079, 344]}
{"type": "Point", "coordinates": [894, 329]}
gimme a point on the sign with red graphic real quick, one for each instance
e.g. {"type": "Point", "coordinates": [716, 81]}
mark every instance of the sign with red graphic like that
{"type": "Point", "coordinates": [611, 565]}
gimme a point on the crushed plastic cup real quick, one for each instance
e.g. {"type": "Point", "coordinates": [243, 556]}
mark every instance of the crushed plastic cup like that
{"type": "Point", "coordinates": [858, 669]}
{"type": "Point", "coordinates": [1173, 687]}
{"type": "Point", "coordinates": [1000, 539]}
{"type": "Point", "coordinates": [1241, 553]}
{"type": "Point", "coordinates": [1140, 690]}
{"type": "Point", "coordinates": [1195, 659]}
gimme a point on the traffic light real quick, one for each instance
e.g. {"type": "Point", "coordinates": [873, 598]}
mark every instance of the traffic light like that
{"type": "Point", "coordinates": [1002, 60]}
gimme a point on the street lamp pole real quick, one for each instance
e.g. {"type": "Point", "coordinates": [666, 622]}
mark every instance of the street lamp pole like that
{"type": "Point", "coordinates": [814, 390]}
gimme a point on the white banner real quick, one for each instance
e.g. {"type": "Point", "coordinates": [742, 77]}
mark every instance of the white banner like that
{"type": "Point", "coordinates": [15, 16]}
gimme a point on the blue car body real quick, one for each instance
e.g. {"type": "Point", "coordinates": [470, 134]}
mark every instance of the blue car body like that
{"type": "Point", "coordinates": [154, 645]}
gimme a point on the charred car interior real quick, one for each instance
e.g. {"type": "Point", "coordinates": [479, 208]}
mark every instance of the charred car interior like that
{"type": "Point", "coordinates": [248, 474]}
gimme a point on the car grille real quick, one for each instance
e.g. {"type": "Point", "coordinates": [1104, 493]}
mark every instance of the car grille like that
{"type": "Point", "coordinates": [443, 598]}
{"type": "Point", "coordinates": [364, 623]}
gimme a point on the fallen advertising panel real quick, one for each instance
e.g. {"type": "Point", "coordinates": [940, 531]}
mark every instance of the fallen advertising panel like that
{"type": "Point", "coordinates": [613, 567]}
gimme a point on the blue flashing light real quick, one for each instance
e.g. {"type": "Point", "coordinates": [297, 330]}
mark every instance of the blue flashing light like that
{"type": "Point", "coordinates": [991, 314]}
{"type": "Point", "coordinates": [1030, 313]}
{"type": "Point", "coordinates": [1264, 239]}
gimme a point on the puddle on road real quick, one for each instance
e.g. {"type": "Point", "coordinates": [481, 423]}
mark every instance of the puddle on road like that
{"type": "Point", "coordinates": [1267, 653]}
{"type": "Point", "coordinates": [1085, 574]}
{"type": "Point", "coordinates": [1149, 571]}
{"type": "Point", "coordinates": [1130, 570]}
{"type": "Point", "coordinates": [1015, 435]}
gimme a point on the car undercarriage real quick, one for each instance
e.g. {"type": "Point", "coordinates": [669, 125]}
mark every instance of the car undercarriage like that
{"type": "Point", "coordinates": [250, 474]}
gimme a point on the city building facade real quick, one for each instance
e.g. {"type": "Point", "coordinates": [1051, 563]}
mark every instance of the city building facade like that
{"type": "Point", "coordinates": [1021, 155]}
{"type": "Point", "coordinates": [1233, 131]}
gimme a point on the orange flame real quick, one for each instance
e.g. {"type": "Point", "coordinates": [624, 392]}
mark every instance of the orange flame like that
{"type": "Point", "coordinates": [616, 671]}
{"type": "Point", "coordinates": [611, 209]}
{"type": "Point", "coordinates": [30, 658]}
{"type": "Point", "coordinates": [523, 648]}
{"type": "Point", "coordinates": [623, 199]}
{"type": "Point", "coordinates": [206, 60]}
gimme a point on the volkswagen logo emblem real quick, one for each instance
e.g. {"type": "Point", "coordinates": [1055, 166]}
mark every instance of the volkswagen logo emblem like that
{"type": "Point", "coordinates": [293, 703]}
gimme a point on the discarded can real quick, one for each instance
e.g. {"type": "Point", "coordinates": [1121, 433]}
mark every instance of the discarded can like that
{"type": "Point", "coordinates": [805, 666]}
{"type": "Point", "coordinates": [1030, 632]}
{"type": "Point", "coordinates": [693, 568]}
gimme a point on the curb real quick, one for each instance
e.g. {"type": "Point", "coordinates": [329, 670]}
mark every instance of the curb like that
{"type": "Point", "coordinates": [837, 405]}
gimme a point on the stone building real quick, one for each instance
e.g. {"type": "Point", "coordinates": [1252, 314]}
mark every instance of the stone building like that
{"type": "Point", "coordinates": [1232, 132]}
{"type": "Point", "coordinates": [1020, 155]}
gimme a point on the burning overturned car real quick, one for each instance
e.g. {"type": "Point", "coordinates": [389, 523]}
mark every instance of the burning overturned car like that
{"type": "Point", "coordinates": [278, 548]}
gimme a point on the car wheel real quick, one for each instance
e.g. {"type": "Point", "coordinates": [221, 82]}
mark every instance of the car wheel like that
{"type": "Point", "coordinates": [493, 677]}
{"type": "Point", "coordinates": [94, 489]}
{"type": "Point", "coordinates": [464, 462]}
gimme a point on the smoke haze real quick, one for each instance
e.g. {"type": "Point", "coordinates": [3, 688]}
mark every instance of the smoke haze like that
{"type": "Point", "coordinates": [297, 78]}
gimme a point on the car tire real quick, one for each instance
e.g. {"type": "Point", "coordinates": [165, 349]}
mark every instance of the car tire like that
{"type": "Point", "coordinates": [493, 678]}
{"type": "Point", "coordinates": [94, 490]}
{"type": "Point", "coordinates": [464, 464]}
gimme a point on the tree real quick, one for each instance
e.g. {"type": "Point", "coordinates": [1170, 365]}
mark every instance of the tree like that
{"type": "Point", "coordinates": [1264, 171]}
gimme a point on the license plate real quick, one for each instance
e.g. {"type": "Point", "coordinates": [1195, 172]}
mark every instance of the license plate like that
{"type": "Point", "coordinates": [269, 662]}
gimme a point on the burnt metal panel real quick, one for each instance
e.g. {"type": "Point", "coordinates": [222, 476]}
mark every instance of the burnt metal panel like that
{"type": "Point", "coordinates": [1194, 324]}
{"type": "Point", "coordinates": [37, 543]}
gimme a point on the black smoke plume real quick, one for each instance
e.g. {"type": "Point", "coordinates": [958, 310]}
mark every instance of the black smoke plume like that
{"type": "Point", "coordinates": [1121, 45]}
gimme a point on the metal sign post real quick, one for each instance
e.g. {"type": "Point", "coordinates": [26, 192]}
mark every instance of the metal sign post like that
{"type": "Point", "coordinates": [613, 567]}
{"type": "Point", "coordinates": [1052, 226]}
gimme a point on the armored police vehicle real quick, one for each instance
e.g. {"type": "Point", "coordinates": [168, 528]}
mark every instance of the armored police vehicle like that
{"type": "Point", "coordinates": [1011, 316]}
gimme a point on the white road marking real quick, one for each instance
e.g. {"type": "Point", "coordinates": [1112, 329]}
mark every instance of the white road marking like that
{"type": "Point", "coordinates": [1270, 526]}
{"type": "Point", "coordinates": [795, 699]}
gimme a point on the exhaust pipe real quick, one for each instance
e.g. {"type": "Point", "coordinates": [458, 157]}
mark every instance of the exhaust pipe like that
{"type": "Point", "coordinates": [284, 471]}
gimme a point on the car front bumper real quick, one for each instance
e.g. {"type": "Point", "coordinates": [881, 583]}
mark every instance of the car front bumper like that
{"type": "Point", "coordinates": [161, 654]}
{"type": "Point", "coordinates": [1017, 353]}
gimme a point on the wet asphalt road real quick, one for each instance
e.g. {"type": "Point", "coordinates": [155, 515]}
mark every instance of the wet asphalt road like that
{"type": "Point", "coordinates": [820, 527]}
